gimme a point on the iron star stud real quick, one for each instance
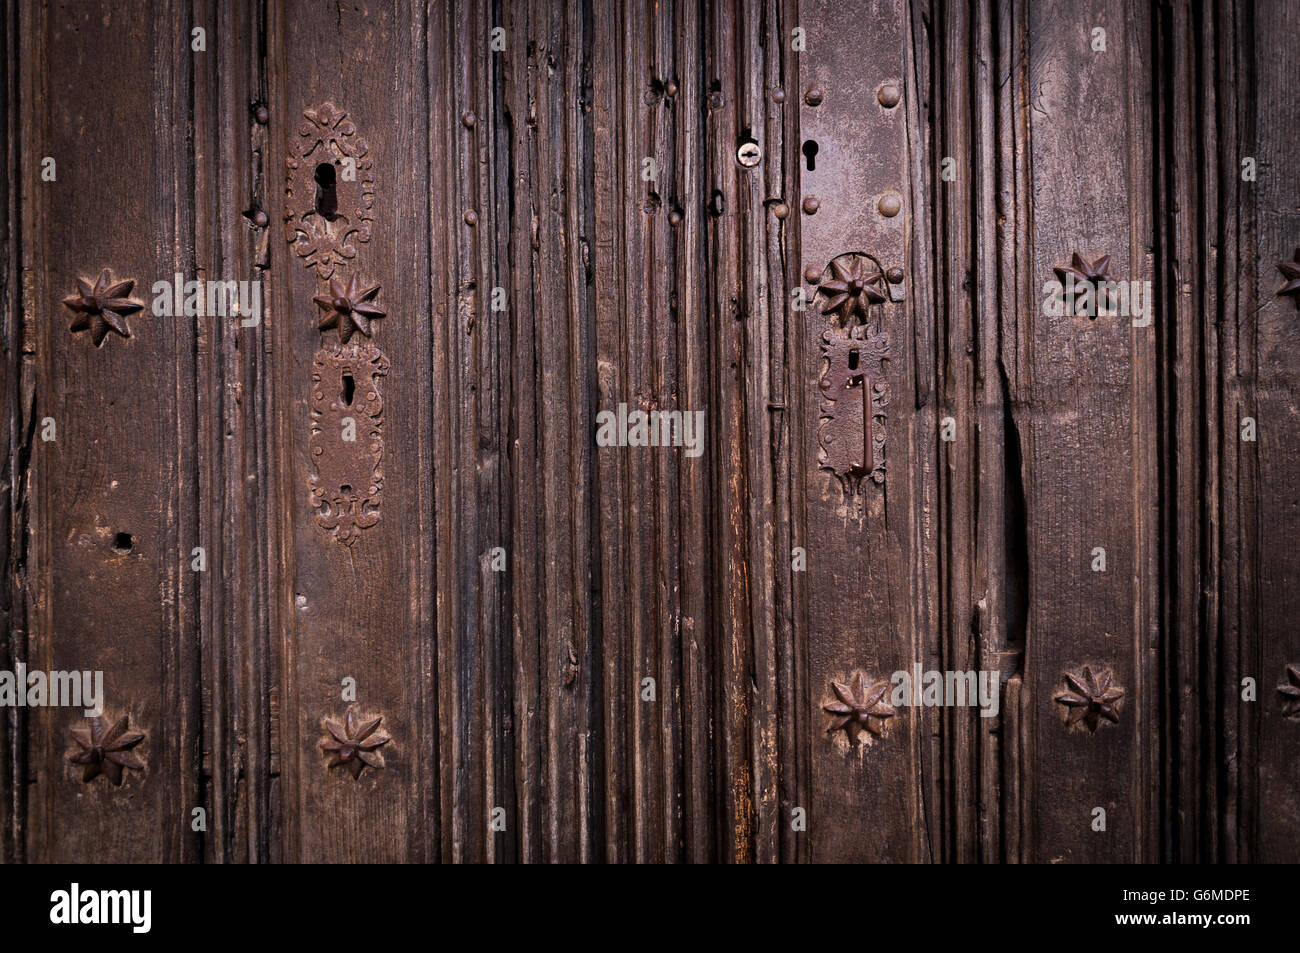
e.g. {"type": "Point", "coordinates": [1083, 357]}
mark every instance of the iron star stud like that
{"type": "Point", "coordinates": [858, 706]}
{"type": "Point", "coordinates": [1090, 698]}
{"type": "Point", "coordinates": [102, 308]}
{"type": "Point", "coordinates": [355, 743]}
{"type": "Point", "coordinates": [106, 750]}
{"type": "Point", "coordinates": [1290, 692]}
{"type": "Point", "coordinates": [1291, 271]}
{"type": "Point", "coordinates": [1079, 274]}
{"type": "Point", "coordinates": [349, 308]}
{"type": "Point", "coordinates": [852, 290]}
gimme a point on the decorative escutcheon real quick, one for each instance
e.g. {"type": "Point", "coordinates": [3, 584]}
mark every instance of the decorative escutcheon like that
{"type": "Point", "coordinates": [1090, 697]}
{"type": "Point", "coordinates": [354, 744]}
{"type": "Point", "coordinates": [106, 749]}
{"type": "Point", "coordinates": [347, 439]}
{"type": "Point", "coordinates": [851, 430]}
{"type": "Point", "coordinates": [329, 194]}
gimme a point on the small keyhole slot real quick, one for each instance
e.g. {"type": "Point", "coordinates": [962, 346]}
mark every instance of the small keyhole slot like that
{"type": "Point", "coordinates": [853, 359]}
{"type": "Point", "coordinates": [122, 543]}
{"type": "Point", "coordinates": [349, 390]}
{"type": "Point", "coordinates": [327, 200]}
{"type": "Point", "coordinates": [810, 154]}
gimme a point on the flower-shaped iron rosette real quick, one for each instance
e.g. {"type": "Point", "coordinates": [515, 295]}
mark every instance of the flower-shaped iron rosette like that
{"type": "Point", "coordinates": [1290, 692]}
{"type": "Point", "coordinates": [1086, 281]}
{"type": "Point", "coordinates": [1090, 698]}
{"type": "Point", "coordinates": [355, 744]}
{"type": "Point", "coordinates": [856, 283]}
{"type": "Point", "coordinates": [1291, 272]}
{"type": "Point", "coordinates": [102, 307]}
{"type": "Point", "coordinates": [106, 749]}
{"type": "Point", "coordinates": [349, 307]}
{"type": "Point", "coordinates": [859, 705]}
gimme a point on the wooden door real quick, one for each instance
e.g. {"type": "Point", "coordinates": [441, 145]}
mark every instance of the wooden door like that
{"type": "Point", "coordinates": [612, 431]}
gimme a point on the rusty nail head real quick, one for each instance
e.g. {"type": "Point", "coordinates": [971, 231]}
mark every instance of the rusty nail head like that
{"type": "Point", "coordinates": [888, 94]}
{"type": "Point", "coordinates": [469, 119]}
{"type": "Point", "coordinates": [811, 205]}
{"type": "Point", "coordinates": [780, 210]}
{"type": "Point", "coordinates": [812, 274]}
{"type": "Point", "coordinates": [889, 205]}
{"type": "Point", "coordinates": [895, 275]}
{"type": "Point", "coordinates": [262, 115]}
{"type": "Point", "coordinates": [674, 217]}
{"type": "Point", "coordinates": [670, 88]}
{"type": "Point", "coordinates": [260, 219]}
{"type": "Point", "coordinates": [471, 217]}
{"type": "Point", "coordinates": [749, 154]}
{"type": "Point", "coordinates": [778, 95]}
{"type": "Point", "coordinates": [814, 96]}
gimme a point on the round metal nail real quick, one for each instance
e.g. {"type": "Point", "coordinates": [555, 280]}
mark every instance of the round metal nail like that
{"type": "Point", "coordinates": [811, 205]}
{"type": "Point", "coordinates": [889, 205]}
{"type": "Point", "coordinates": [888, 94]}
{"type": "Point", "coordinates": [674, 217]}
{"type": "Point", "coordinates": [812, 274]}
{"type": "Point", "coordinates": [670, 88]}
{"type": "Point", "coordinates": [895, 275]}
{"type": "Point", "coordinates": [260, 219]}
{"type": "Point", "coordinates": [471, 217]}
{"type": "Point", "coordinates": [262, 115]}
{"type": "Point", "coordinates": [778, 95]}
{"type": "Point", "coordinates": [469, 119]}
{"type": "Point", "coordinates": [780, 210]}
{"type": "Point", "coordinates": [814, 96]}
{"type": "Point", "coordinates": [749, 154]}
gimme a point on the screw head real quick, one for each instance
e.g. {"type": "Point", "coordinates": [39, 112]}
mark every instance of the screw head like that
{"type": "Point", "coordinates": [262, 115]}
{"type": "Point", "coordinates": [812, 274]}
{"type": "Point", "coordinates": [471, 217]}
{"type": "Point", "coordinates": [260, 219]}
{"type": "Point", "coordinates": [749, 154]}
{"type": "Point", "coordinates": [889, 205]}
{"type": "Point", "coordinates": [889, 95]}
{"type": "Point", "coordinates": [780, 210]}
{"type": "Point", "coordinates": [469, 119]}
{"type": "Point", "coordinates": [814, 96]}
{"type": "Point", "coordinates": [811, 205]}
{"type": "Point", "coordinates": [894, 275]}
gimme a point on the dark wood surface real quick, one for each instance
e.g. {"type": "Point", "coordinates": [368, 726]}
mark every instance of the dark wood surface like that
{"type": "Point", "coordinates": [521, 582]}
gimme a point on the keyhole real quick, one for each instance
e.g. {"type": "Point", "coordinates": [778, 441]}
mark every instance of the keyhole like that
{"type": "Point", "coordinates": [810, 153]}
{"type": "Point", "coordinates": [853, 359]}
{"type": "Point", "coordinates": [327, 200]}
{"type": "Point", "coordinates": [122, 542]}
{"type": "Point", "coordinates": [349, 389]}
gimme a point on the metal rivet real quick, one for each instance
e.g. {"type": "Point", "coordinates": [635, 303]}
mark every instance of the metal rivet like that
{"type": "Point", "coordinates": [780, 210]}
{"type": "Point", "coordinates": [812, 274]}
{"type": "Point", "coordinates": [888, 94]}
{"type": "Point", "coordinates": [675, 217]}
{"type": "Point", "coordinates": [895, 275]}
{"type": "Point", "coordinates": [749, 154]}
{"type": "Point", "coordinates": [262, 115]}
{"type": "Point", "coordinates": [670, 88]}
{"type": "Point", "coordinates": [889, 205]}
{"type": "Point", "coordinates": [260, 219]}
{"type": "Point", "coordinates": [811, 205]}
{"type": "Point", "coordinates": [814, 96]}
{"type": "Point", "coordinates": [471, 217]}
{"type": "Point", "coordinates": [778, 95]}
{"type": "Point", "coordinates": [469, 119]}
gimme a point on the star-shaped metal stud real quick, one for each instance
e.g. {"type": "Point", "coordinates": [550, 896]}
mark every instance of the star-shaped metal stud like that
{"type": "Point", "coordinates": [354, 743]}
{"type": "Point", "coordinates": [1090, 698]}
{"type": "Point", "coordinates": [1291, 272]}
{"type": "Point", "coordinates": [1079, 275]}
{"type": "Point", "coordinates": [349, 308]}
{"type": "Point", "coordinates": [859, 706]}
{"type": "Point", "coordinates": [852, 290]}
{"type": "Point", "coordinates": [102, 308]}
{"type": "Point", "coordinates": [1290, 692]}
{"type": "Point", "coordinates": [106, 750]}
